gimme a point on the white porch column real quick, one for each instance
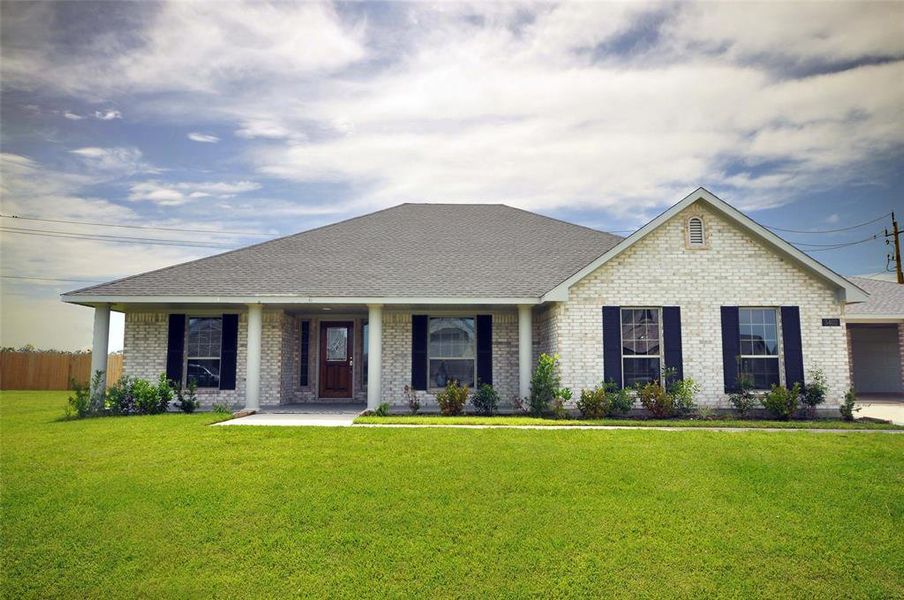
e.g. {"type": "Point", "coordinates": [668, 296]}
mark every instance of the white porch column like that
{"type": "Point", "coordinates": [101, 343]}
{"type": "Point", "coordinates": [253, 365]}
{"type": "Point", "coordinates": [374, 355]}
{"type": "Point", "coordinates": [525, 349]}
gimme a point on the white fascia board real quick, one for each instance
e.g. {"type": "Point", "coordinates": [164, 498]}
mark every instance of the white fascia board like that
{"type": "Point", "coordinates": [851, 292]}
{"type": "Point", "coordinates": [874, 318]}
{"type": "Point", "coordinates": [90, 300]}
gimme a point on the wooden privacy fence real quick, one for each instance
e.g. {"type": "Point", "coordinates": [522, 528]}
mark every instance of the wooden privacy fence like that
{"type": "Point", "coordinates": [50, 370]}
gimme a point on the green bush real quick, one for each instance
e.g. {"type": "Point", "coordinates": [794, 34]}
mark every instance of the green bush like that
{"type": "Point", "coordinates": [656, 400]}
{"type": "Point", "coordinates": [743, 400]}
{"type": "Point", "coordinates": [221, 408]}
{"type": "Point", "coordinates": [485, 400]}
{"type": "Point", "coordinates": [594, 403]}
{"type": "Point", "coordinates": [847, 407]}
{"type": "Point", "coordinates": [563, 396]}
{"type": "Point", "coordinates": [452, 399]}
{"type": "Point", "coordinates": [544, 384]}
{"type": "Point", "coordinates": [683, 392]}
{"type": "Point", "coordinates": [619, 400]}
{"type": "Point", "coordinates": [781, 402]}
{"type": "Point", "coordinates": [87, 400]}
{"type": "Point", "coordinates": [382, 410]}
{"type": "Point", "coordinates": [136, 396]}
{"type": "Point", "coordinates": [814, 392]}
{"type": "Point", "coordinates": [187, 399]}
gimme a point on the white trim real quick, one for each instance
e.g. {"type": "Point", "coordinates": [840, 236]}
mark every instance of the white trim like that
{"type": "Point", "coordinates": [851, 292]}
{"type": "Point", "coordinates": [289, 299]}
{"type": "Point", "coordinates": [890, 319]}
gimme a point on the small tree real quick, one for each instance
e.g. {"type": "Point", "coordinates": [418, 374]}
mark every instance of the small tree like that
{"type": "Point", "coordinates": [814, 392]}
{"type": "Point", "coordinates": [847, 407]}
{"type": "Point", "coordinates": [544, 384]}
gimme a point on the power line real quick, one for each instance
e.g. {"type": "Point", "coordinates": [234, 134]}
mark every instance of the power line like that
{"type": "Point", "coordinates": [112, 238]}
{"type": "Point", "coordinates": [839, 246]}
{"type": "Point", "coordinates": [245, 233]}
{"type": "Point", "coordinates": [828, 230]}
{"type": "Point", "coordinates": [51, 279]}
{"type": "Point", "coordinates": [833, 244]}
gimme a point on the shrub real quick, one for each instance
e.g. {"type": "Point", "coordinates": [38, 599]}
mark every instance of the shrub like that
{"type": "Point", "coordinates": [619, 400]}
{"type": "Point", "coordinates": [683, 392]}
{"type": "Point", "coordinates": [593, 404]}
{"type": "Point", "coordinates": [187, 399]}
{"type": "Point", "coordinates": [743, 400]}
{"type": "Point", "coordinates": [221, 408]}
{"type": "Point", "coordinates": [452, 399]}
{"type": "Point", "coordinates": [656, 400]}
{"type": "Point", "coordinates": [382, 410]}
{"type": "Point", "coordinates": [87, 400]}
{"type": "Point", "coordinates": [414, 403]}
{"type": "Point", "coordinates": [485, 399]}
{"type": "Point", "coordinates": [544, 384]}
{"type": "Point", "coordinates": [563, 396]}
{"type": "Point", "coordinates": [135, 396]}
{"type": "Point", "coordinates": [847, 407]}
{"type": "Point", "coordinates": [165, 394]}
{"type": "Point", "coordinates": [814, 393]}
{"type": "Point", "coordinates": [705, 413]}
{"type": "Point", "coordinates": [781, 402]}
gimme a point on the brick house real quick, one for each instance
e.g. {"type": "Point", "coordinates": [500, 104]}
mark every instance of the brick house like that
{"type": "Point", "coordinates": [419, 294]}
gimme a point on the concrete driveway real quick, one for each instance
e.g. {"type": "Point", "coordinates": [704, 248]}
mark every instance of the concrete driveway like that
{"type": "Point", "coordinates": [889, 408]}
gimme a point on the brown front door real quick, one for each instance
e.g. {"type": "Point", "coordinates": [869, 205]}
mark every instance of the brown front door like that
{"type": "Point", "coordinates": [336, 360]}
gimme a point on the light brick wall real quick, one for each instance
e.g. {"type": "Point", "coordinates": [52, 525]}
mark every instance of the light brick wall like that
{"type": "Point", "coordinates": [397, 357]}
{"type": "Point", "coordinates": [145, 345]}
{"type": "Point", "coordinates": [732, 270]}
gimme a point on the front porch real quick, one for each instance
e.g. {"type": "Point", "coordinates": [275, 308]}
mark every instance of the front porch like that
{"type": "Point", "coordinates": [309, 358]}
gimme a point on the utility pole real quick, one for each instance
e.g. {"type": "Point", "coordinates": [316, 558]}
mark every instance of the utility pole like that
{"type": "Point", "coordinates": [896, 234]}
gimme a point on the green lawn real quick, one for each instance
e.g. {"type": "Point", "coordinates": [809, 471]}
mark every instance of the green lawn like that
{"type": "Point", "coordinates": [509, 421]}
{"type": "Point", "coordinates": [164, 506]}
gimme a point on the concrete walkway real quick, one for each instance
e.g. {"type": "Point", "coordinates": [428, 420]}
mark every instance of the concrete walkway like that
{"type": "Point", "coordinates": [302, 415]}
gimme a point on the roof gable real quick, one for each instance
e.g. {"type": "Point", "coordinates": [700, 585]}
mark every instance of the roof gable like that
{"type": "Point", "coordinates": [849, 292]}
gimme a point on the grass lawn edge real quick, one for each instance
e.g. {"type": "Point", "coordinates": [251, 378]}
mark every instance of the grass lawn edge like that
{"type": "Point", "coordinates": [518, 421]}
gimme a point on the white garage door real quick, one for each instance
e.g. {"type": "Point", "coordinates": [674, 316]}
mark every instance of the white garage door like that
{"type": "Point", "coordinates": [877, 364]}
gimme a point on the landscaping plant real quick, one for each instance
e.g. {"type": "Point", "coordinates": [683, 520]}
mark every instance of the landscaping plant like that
{"type": "Point", "coordinates": [452, 399]}
{"type": "Point", "coordinates": [847, 407]}
{"type": "Point", "coordinates": [414, 403]}
{"type": "Point", "coordinates": [87, 400]}
{"type": "Point", "coordinates": [563, 396]}
{"type": "Point", "coordinates": [683, 392]}
{"type": "Point", "coordinates": [382, 410]}
{"type": "Point", "coordinates": [781, 402]}
{"type": "Point", "coordinates": [656, 400]}
{"type": "Point", "coordinates": [544, 384]}
{"type": "Point", "coordinates": [814, 392]}
{"type": "Point", "coordinates": [743, 399]}
{"type": "Point", "coordinates": [187, 399]}
{"type": "Point", "coordinates": [485, 400]}
{"type": "Point", "coordinates": [593, 403]}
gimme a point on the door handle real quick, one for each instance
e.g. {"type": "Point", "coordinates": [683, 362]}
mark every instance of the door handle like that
{"type": "Point", "coordinates": [351, 362]}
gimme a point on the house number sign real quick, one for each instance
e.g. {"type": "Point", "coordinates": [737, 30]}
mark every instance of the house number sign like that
{"type": "Point", "coordinates": [831, 322]}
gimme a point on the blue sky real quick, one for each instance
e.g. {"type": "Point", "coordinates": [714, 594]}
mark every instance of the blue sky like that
{"type": "Point", "coordinates": [275, 118]}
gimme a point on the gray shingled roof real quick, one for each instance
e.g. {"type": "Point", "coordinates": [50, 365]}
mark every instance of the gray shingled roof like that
{"type": "Point", "coordinates": [885, 298]}
{"type": "Point", "coordinates": [410, 250]}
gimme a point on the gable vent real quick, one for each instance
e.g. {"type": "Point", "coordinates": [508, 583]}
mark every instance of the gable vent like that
{"type": "Point", "coordinates": [695, 231]}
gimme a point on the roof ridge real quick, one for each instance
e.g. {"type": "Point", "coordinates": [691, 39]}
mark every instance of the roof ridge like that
{"type": "Point", "coordinates": [562, 221]}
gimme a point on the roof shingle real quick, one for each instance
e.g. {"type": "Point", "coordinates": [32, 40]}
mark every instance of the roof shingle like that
{"type": "Point", "coordinates": [410, 250]}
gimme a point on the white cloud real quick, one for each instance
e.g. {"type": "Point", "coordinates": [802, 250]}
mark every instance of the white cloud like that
{"type": "Point", "coordinates": [119, 161]}
{"type": "Point", "coordinates": [203, 138]}
{"type": "Point", "coordinates": [72, 116]}
{"type": "Point", "coordinates": [268, 128]}
{"type": "Point", "coordinates": [107, 115]}
{"type": "Point", "coordinates": [174, 194]}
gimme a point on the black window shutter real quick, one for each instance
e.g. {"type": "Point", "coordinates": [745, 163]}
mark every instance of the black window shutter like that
{"type": "Point", "coordinates": [731, 346]}
{"type": "Point", "coordinates": [419, 352]}
{"type": "Point", "coordinates": [791, 346]}
{"type": "Point", "coordinates": [228, 351]}
{"type": "Point", "coordinates": [671, 333]}
{"type": "Point", "coordinates": [485, 349]}
{"type": "Point", "coordinates": [175, 348]}
{"type": "Point", "coordinates": [612, 345]}
{"type": "Point", "coordinates": [305, 349]}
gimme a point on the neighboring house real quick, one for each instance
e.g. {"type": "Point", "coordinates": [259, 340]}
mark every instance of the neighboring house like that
{"type": "Point", "coordinates": [421, 293]}
{"type": "Point", "coordinates": [876, 338]}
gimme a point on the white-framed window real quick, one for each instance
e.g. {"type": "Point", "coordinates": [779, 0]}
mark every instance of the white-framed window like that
{"type": "Point", "coordinates": [641, 335]}
{"type": "Point", "coordinates": [695, 232]}
{"type": "Point", "coordinates": [451, 351]}
{"type": "Point", "coordinates": [759, 346]}
{"type": "Point", "coordinates": [204, 339]}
